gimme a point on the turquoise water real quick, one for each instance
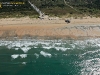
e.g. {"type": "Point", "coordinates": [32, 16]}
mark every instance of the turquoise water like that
{"type": "Point", "coordinates": [50, 57]}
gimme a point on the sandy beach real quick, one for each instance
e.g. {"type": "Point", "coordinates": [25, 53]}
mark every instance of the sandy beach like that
{"type": "Point", "coordinates": [31, 27]}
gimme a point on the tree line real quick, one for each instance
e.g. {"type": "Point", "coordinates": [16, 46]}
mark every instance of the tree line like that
{"type": "Point", "coordinates": [56, 7]}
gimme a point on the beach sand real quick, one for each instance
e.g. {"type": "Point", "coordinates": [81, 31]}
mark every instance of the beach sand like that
{"type": "Point", "coordinates": [31, 27]}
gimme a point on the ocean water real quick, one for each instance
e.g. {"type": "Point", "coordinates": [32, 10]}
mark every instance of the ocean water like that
{"type": "Point", "coordinates": [50, 57]}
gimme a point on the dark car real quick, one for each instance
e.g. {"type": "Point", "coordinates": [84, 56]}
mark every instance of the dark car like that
{"type": "Point", "coordinates": [67, 21]}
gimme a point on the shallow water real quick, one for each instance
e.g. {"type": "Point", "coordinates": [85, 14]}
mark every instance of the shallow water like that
{"type": "Point", "coordinates": [50, 57]}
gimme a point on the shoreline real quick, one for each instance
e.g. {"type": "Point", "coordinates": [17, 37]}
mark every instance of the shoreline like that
{"type": "Point", "coordinates": [26, 27]}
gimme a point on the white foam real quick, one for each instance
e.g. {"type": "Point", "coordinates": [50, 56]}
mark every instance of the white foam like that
{"type": "Point", "coordinates": [90, 67]}
{"type": "Point", "coordinates": [23, 55]}
{"type": "Point", "coordinates": [14, 56]}
{"type": "Point", "coordinates": [37, 55]}
{"type": "Point", "coordinates": [35, 47]}
{"type": "Point", "coordinates": [47, 47]}
{"type": "Point", "coordinates": [17, 44]}
{"type": "Point", "coordinates": [65, 54]}
{"type": "Point", "coordinates": [25, 45]}
{"type": "Point", "coordinates": [24, 63]}
{"type": "Point", "coordinates": [91, 52]}
{"type": "Point", "coordinates": [45, 54]}
{"type": "Point", "coordinates": [98, 45]}
{"type": "Point", "coordinates": [16, 49]}
{"type": "Point", "coordinates": [58, 43]}
{"type": "Point", "coordinates": [25, 49]}
{"type": "Point", "coordinates": [61, 48]}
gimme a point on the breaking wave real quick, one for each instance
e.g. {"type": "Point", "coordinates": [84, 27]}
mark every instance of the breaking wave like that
{"type": "Point", "coordinates": [87, 51]}
{"type": "Point", "coordinates": [59, 45]}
